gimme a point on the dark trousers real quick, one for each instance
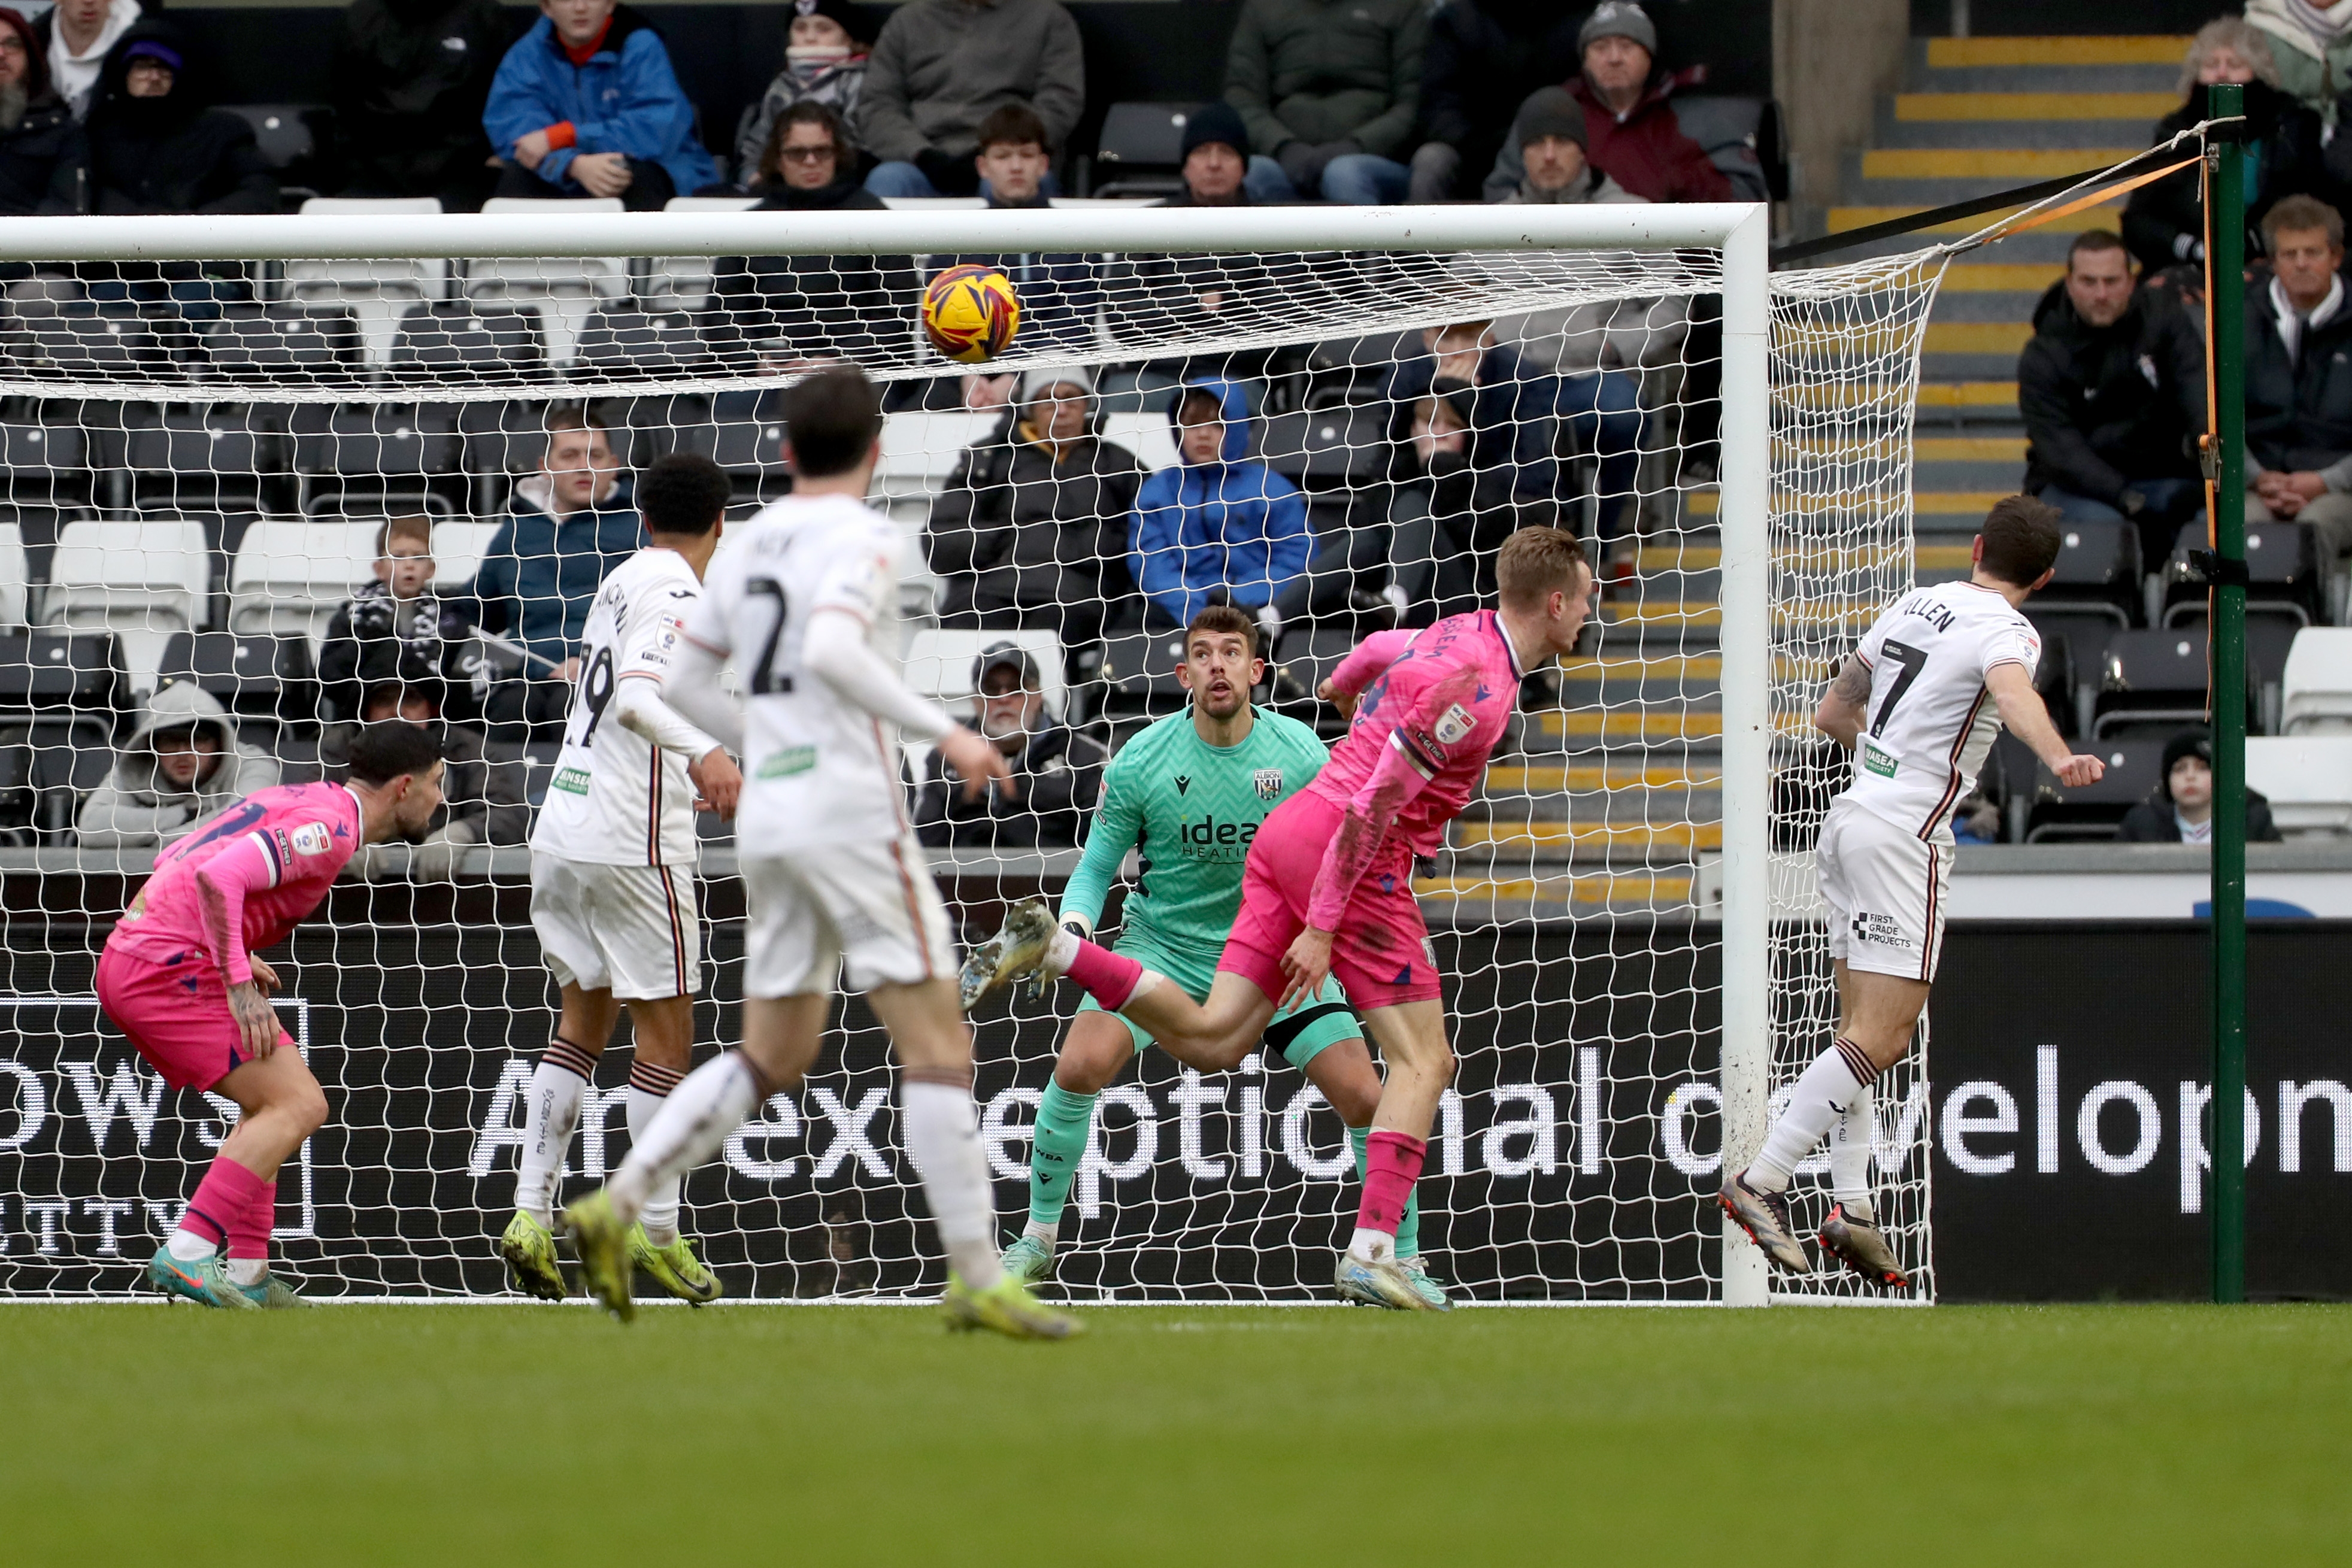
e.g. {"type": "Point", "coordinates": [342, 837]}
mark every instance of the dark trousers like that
{"type": "Point", "coordinates": [649, 187]}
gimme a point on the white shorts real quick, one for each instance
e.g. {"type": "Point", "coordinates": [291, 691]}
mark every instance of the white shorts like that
{"type": "Point", "coordinates": [1886, 890]}
{"type": "Point", "coordinates": [632, 930]}
{"type": "Point", "coordinates": [869, 905]}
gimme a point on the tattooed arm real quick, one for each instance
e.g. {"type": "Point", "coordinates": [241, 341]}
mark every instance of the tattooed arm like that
{"type": "Point", "coordinates": [1845, 706]}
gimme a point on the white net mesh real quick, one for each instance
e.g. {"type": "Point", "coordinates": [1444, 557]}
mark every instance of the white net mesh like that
{"type": "Point", "coordinates": [201, 463]}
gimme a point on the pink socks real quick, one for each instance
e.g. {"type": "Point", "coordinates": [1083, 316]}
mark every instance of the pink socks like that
{"type": "Point", "coordinates": [1108, 977]}
{"type": "Point", "coordinates": [1391, 1165]}
{"type": "Point", "coordinates": [236, 1205]}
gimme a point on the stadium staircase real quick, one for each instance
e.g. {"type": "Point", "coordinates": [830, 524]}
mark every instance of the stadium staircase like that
{"type": "Point", "coordinates": [1615, 796]}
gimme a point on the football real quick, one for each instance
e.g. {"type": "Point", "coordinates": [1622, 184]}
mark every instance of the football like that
{"type": "Point", "coordinates": [970, 313]}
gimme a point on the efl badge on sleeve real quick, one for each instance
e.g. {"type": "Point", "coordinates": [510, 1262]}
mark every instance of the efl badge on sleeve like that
{"type": "Point", "coordinates": [1269, 783]}
{"type": "Point", "coordinates": [1453, 724]}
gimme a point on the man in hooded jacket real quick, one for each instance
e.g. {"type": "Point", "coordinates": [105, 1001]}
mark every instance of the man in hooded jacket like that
{"type": "Point", "coordinates": [155, 143]}
{"type": "Point", "coordinates": [181, 764]}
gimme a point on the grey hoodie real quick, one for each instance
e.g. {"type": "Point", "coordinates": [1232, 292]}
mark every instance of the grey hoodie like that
{"type": "Point", "coordinates": [137, 805]}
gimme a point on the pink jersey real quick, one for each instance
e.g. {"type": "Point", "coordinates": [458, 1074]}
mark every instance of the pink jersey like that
{"type": "Point", "coordinates": [1439, 698]}
{"type": "Point", "coordinates": [270, 858]}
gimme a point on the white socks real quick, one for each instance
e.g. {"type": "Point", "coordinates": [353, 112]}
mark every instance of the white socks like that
{"type": "Point", "coordinates": [1046, 1236]}
{"type": "Point", "coordinates": [248, 1270]}
{"type": "Point", "coordinates": [1851, 1146]}
{"type": "Point", "coordinates": [550, 1115]}
{"type": "Point", "coordinates": [1828, 1090]}
{"type": "Point", "coordinates": [711, 1103]}
{"type": "Point", "coordinates": [1372, 1246]}
{"type": "Point", "coordinates": [188, 1247]}
{"type": "Point", "coordinates": [649, 1091]}
{"type": "Point", "coordinates": [943, 1140]}
{"type": "Point", "coordinates": [1061, 952]}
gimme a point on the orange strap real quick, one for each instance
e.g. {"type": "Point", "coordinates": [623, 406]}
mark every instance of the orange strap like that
{"type": "Point", "coordinates": [2105, 193]}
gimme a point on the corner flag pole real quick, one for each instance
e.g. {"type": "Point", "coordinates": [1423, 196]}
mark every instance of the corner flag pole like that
{"type": "Point", "coordinates": [2227, 213]}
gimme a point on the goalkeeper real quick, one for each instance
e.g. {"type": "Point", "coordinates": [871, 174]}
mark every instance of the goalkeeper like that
{"type": "Point", "coordinates": [1189, 795]}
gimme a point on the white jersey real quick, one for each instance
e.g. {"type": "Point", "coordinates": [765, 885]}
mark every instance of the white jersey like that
{"type": "Point", "coordinates": [618, 798]}
{"type": "Point", "coordinates": [1930, 720]}
{"type": "Point", "coordinates": [817, 768]}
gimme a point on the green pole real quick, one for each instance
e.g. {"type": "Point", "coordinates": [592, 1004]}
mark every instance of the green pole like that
{"type": "Point", "coordinates": [2227, 248]}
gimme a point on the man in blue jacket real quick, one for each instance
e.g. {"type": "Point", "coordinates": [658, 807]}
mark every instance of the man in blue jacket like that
{"type": "Point", "coordinates": [1217, 527]}
{"type": "Point", "coordinates": [585, 105]}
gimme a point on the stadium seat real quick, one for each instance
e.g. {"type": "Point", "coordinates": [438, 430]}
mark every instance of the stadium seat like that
{"type": "Point", "coordinates": [1742, 138]}
{"type": "Point", "coordinates": [463, 340]}
{"type": "Point", "coordinates": [290, 137]}
{"type": "Point", "coordinates": [939, 663]}
{"type": "Point", "coordinates": [263, 676]}
{"type": "Point", "coordinates": [1298, 666]}
{"type": "Point", "coordinates": [568, 286]}
{"type": "Point", "coordinates": [14, 574]}
{"type": "Point", "coordinates": [85, 347]}
{"type": "Point", "coordinates": [2317, 696]}
{"type": "Point", "coordinates": [376, 289]}
{"type": "Point", "coordinates": [2056, 811]}
{"type": "Point", "coordinates": [57, 674]}
{"type": "Point", "coordinates": [2282, 567]}
{"type": "Point", "coordinates": [1138, 674]}
{"type": "Point", "coordinates": [2086, 633]}
{"type": "Point", "coordinates": [371, 449]}
{"type": "Point", "coordinates": [621, 340]}
{"type": "Point", "coordinates": [1327, 448]}
{"type": "Point", "coordinates": [2308, 779]}
{"type": "Point", "coordinates": [1140, 151]}
{"type": "Point", "coordinates": [920, 451]}
{"type": "Point", "coordinates": [2097, 572]}
{"type": "Point", "coordinates": [743, 434]}
{"type": "Point", "coordinates": [283, 342]}
{"type": "Point", "coordinates": [683, 282]}
{"type": "Point", "coordinates": [288, 577]}
{"type": "Point", "coordinates": [217, 453]}
{"type": "Point", "coordinates": [458, 546]}
{"type": "Point", "coordinates": [2269, 639]}
{"type": "Point", "coordinates": [1150, 436]}
{"type": "Point", "coordinates": [2154, 677]}
{"type": "Point", "coordinates": [44, 462]}
{"type": "Point", "coordinates": [141, 581]}
{"type": "Point", "coordinates": [47, 766]}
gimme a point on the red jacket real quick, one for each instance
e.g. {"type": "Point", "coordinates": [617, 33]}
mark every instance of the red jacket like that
{"type": "Point", "coordinates": [1644, 149]}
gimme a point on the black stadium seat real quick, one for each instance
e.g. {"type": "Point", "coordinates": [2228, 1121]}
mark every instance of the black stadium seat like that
{"type": "Point", "coordinates": [60, 674]}
{"type": "Point", "coordinates": [1138, 675]}
{"type": "Point", "coordinates": [253, 676]}
{"type": "Point", "coordinates": [283, 341]}
{"type": "Point", "coordinates": [1140, 152]}
{"type": "Point", "coordinates": [2055, 810]}
{"type": "Point", "coordinates": [2284, 577]}
{"type": "Point", "coordinates": [42, 463]}
{"type": "Point", "coordinates": [451, 340]}
{"type": "Point", "coordinates": [183, 452]}
{"type": "Point", "coordinates": [2155, 680]}
{"type": "Point", "coordinates": [47, 766]}
{"type": "Point", "coordinates": [2098, 571]}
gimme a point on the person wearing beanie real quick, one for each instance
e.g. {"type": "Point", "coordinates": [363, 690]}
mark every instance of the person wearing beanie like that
{"type": "Point", "coordinates": [155, 146]}
{"type": "Point", "coordinates": [1483, 58]}
{"type": "Point", "coordinates": [2180, 810]}
{"type": "Point", "coordinates": [1550, 135]}
{"type": "Point", "coordinates": [1057, 771]}
{"type": "Point", "coordinates": [43, 158]}
{"type": "Point", "coordinates": [410, 81]}
{"type": "Point", "coordinates": [826, 50]}
{"type": "Point", "coordinates": [1631, 128]}
{"type": "Point", "coordinates": [1330, 96]}
{"type": "Point", "coordinates": [1031, 528]}
{"type": "Point", "coordinates": [1217, 161]}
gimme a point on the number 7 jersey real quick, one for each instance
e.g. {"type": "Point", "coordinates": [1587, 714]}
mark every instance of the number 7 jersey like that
{"type": "Point", "coordinates": [1930, 720]}
{"type": "Point", "coordinates": [817, 768]}
{"type": "Point", "coordinates": [618, 798]}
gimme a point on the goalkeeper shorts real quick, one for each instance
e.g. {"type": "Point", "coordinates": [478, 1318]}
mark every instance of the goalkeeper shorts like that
{"type": "Point", "coordinates": [632, 930]}
{"type": "Point", "coordinates": [1301, 1032]}
{"type": "Point", "coordinates": [1886, 890]}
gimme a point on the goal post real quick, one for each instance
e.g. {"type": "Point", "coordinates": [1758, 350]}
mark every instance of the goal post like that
{"type": "Point", "coordinates": [1572, 1164]}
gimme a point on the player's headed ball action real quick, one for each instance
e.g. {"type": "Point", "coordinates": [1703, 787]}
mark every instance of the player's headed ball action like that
{"type": "Point", "coordinates": [1919, 703]}
{"type": "Point", "coordinates": [1197, 788]}
{"type": "Point", "coordinates": [183, 976]}
{"type": "Point", "coordinates": [1326, 891]}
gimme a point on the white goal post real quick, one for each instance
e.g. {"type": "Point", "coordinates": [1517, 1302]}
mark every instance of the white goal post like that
{"type": "Point", "coordinates": [1842, 344]}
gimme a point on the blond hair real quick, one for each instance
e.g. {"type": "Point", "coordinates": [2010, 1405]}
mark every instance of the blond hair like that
{"type": "Point", "coordinates": [2232, 32]}
{"type": "Point", "coordinates": [1536, 563]}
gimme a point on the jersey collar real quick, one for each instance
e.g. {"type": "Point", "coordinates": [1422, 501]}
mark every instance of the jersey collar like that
{"type": "Point", "coordinates": [1494, 624]}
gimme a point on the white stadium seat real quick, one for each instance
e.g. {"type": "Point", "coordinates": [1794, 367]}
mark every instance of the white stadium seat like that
{"type": "Point", "coordinates": [1150, 436]}
{"type": "Point", "coordinates": [939, 665]}
{"type": "Point", "coordinates": [458, 547]}
{"type": "Point", "coordinates": [375, 290]}
{"type": "Point", "coordinates": [2315, 695]}
{"type": "Point", "coordinates": [289, 576]}
{"type": "Point", "coordinates": [13, 573]}
{"type": "Point", "coordinates": [2308, 779]}
{"type": "Point", "coordinates": [683, 282]}
{"type": "Point", "coordinates": [141, 581]}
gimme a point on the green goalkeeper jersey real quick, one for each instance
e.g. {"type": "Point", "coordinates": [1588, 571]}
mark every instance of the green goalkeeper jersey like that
{"type": "Point", "coordinates": [1189, 811]}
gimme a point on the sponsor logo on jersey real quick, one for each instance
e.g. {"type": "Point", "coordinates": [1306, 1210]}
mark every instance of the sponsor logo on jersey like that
{"type": "Point", "coordinates": [784, 764]}
{"type": "Point", "coordinates": [1209, 831]}
{"type": "Point", "coordinates": [310, 839]}
{"type": "Point", "coordinates": [1269, 783]}
{"type": "Point", "coordinates": [1881, 931]}
{"type": "Point", "coordinates": [1453, 724]}
{"type": "Point", "coordinates": [1879, 762]}
{"type": "Point", "coordinates": [571, 780]}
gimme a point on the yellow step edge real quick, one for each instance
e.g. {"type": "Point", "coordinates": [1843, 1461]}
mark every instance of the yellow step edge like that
{"type": "Point", "coordinates": [1662, 612]}
{"type": "Point", "coordinates": [1966, 394]}
{"type": "Point", "coordinates": [1523, 779]}
{"type": "Point", "coordinates": [2104, 216]}
{"type": "Point", "coordinates": [1942, 557]}
{"type": "Point", "coordinates": [1680, 557]}
{"type": "Point", "coordinates": [1584, 835]}
{"type": "Point", "coordinates": [1652, 725]}
{"type": "Point", "coordinates": [2003, 277]}
{"type": "Point", "coordinates": [1670, 667]}
{"type": "Point", "coordinates": [1701, 503]}
{"type": "Point", "coordinates": [2130, 50]}
{"type": "Point", "coordinates": [1604, 887]}
{"type": "Point", "coordinates": [1969, 449]}
{"type": "Point", "coordinates": [1989, 163]}
{"type": "Point", "coordinates": [1956, 503]}
{"type": "Point", "coordinates": [1977, 337]}
{"type": "Point", "coordinates": [1979, 105]}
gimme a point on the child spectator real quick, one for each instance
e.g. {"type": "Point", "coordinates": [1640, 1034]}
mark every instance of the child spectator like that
{"type": "Point", "coordinates": [1061, 291]}
{"type": "Point", "coordinates": [76, 36]}
{"type": "Point", "coordinates": [1483, 58]}
{"type": "Point", "coordinates": [411, 78]}
{"type": "Point", "coordinates": [1032, 526]}
{"type": "Point", "coordinates": [155, 147]}
{"type": "Point", "coordinates": [397, 630]}
{"type": "Point", "coordinates": [825, 55]}
{"type": "Point", "coordinates": [482, 786]}
{"type": "Point", "coordinates": [182, 764]}
{"type": "Point", "coordinates": [1635, 133]}
{"type": "Point", "coordinates": [585, 105]}
{"type": "Point", "coordinates": [2180, 810]}
{"type": "Point", "coordinates": [43, 158]}
{"type": "Point", "coordinates": [941, 67]}
{"type": "Point", "coordinates": [1056, 771]}
{"type": "Point", "coordinates": [1217, 527]}
{"type": "Point", "coordinates": [1332, 98]}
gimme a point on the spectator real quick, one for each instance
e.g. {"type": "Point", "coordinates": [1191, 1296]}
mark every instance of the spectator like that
{"type": "Point", "coordinates": [825, 55]}
{"type": "Point", "coordinates": [1635, 133]}
{"type": "Point", "coordinates": [1550, 132]}
{"type": "Point", "coordinates": [2180, 810]}
{"type": "Point", "coordinates": [2113, 391]}
{"type": "Point", "coordinates": [44, 159]}
{"type": "Point", "coordinates": [942, 66]}
{"type": "Point", "coordinates": [482, 786]}
{"type": "Point", "coordinates": [2310, 47]}
{"type": "Point", "coordinates": [1218, 527]}
{"type": "Point", "coordinates": [812, 308]}
{"type": "Point", "coordinates": [397, 630]}
{"type": "Point", "coordinates": [1056, 771]}
{"type": "Point", "coordinates": [572, 522]}
{"type": "Point", "coordinates": [182, 764]}
{"type": "Point", "coordinates": [2298, 354]}
{"type": "Point", "coordinates": [411, 78]}
{"type": "Point", "coordinates": [1483, 58]}
{"type": "Point", "coordinates": [155, 147]}
{"type": "Point", "coordinates": [76, 36]}
{"type": "Point", "coordinates": [1332, 98]}
{"type": "Point", "coordinates": [585, 105]}
{"type": "Point", "coordinates": [1447, 518]}
{"type": "Point", "coordinates": [1032, 526]}
{"type": "Point", "coordinates": [2164, 223]}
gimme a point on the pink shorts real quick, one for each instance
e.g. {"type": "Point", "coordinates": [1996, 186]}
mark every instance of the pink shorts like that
{"type": "Point", "coordinates": [1380, 955]}
{"type": "Point", "coordinates": [176, 1013]}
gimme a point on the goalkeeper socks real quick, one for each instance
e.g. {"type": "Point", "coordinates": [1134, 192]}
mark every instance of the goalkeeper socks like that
{"type": "Point", "coordinates": [1407, 1230]}
{"type": "Point", "coordinates": [649, 1091]}
{"type": "Point", "coordinates": [550, 1112]}
{"type": "Point", "coordinates": [943, 1139]}
{"type": "Point", "coordinates": [217, 1215]}
{"type": "Point", "coordinates": [1391, 1165]}
{"type": "Point", "coordinates": [1058, 1144]}
{"type": "Point", "coordinates": [712, 1100]}
{"type": "Point", "coordinates": [1113, 981]}
{"type": "Point", "coordinates": [1827, 1090]}
{"type": "Point", "coordinates": [1851, 1147]}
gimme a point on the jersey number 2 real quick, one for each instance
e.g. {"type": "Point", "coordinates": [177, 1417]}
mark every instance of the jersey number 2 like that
{"type": "Point", "coordinates": [1910, 661]}
{"type": "Point", "coordinates": [765, 680]}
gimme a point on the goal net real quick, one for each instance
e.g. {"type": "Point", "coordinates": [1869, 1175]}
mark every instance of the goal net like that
{"type": "Point", "coordinates": [1330, 417]}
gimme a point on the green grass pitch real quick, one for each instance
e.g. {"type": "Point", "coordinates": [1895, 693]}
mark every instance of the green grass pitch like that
{"type": "Point", "coordinates": [523, 1435]}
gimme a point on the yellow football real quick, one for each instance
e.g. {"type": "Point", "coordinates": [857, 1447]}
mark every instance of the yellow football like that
{"type": "Point", "coordinates": [970, 313]}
